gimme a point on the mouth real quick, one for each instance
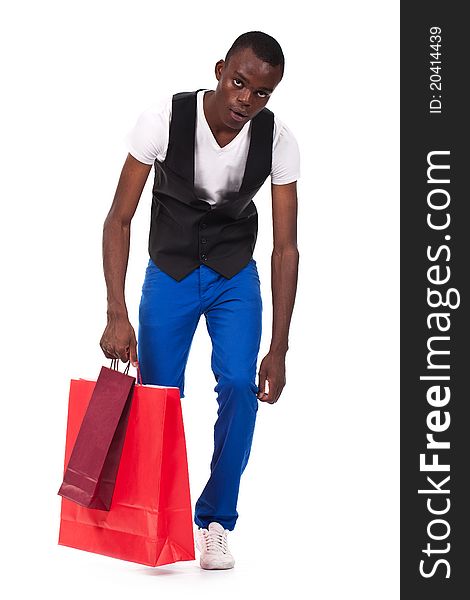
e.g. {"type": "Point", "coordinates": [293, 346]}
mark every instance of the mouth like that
{"type": "Point", "coordinates": [237, 115]}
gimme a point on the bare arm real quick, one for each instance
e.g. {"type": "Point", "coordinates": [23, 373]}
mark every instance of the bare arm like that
{"type": "Point", "coordinates": [284, 262]}
{"type": "Point", "coordinates": [118, 340]}
{"type": "Point", "coordinates": [284, 274]}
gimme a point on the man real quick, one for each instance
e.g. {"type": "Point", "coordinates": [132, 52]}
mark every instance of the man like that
{"type": "Point", "coordinates": [212, 150]}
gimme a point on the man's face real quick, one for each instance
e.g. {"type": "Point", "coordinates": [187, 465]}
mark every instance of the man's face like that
{"type": "Point", "coordinates": [245, 85]}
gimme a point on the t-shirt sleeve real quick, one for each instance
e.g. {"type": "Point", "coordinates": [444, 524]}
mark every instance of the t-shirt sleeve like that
{"type": "Point", "coordinates": [147, 141]}
{"type": "Point", "coordinates": [286, 156]}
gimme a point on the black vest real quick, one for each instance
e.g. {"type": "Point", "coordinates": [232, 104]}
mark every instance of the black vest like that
{"type": "Point", "coordinates": [185, 231]}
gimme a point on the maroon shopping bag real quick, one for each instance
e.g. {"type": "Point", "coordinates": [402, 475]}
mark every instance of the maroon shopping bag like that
{"type": "Point", "coordinates": [90, 476]}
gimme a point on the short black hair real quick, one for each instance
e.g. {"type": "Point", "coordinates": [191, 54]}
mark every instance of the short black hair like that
{"type": "Point", "coordinates": [263, 45]}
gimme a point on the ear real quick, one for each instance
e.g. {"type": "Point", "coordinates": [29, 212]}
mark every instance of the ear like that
{"type": "Point", "coordinates": [219, 67]}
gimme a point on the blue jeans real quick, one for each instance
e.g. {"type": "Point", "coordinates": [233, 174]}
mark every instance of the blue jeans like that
{"type": "Point", "coordinates": [169, 313]}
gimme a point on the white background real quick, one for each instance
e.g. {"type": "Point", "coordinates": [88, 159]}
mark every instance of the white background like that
{"type": "Point", "coordinates": [319, 498]}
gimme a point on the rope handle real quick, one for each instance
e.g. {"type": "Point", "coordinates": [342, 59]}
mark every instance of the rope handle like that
{"type": "Point", "coordinates": [115, 367]}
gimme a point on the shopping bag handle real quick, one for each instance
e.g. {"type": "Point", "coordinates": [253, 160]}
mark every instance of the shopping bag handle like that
{"type": "Point", "coordinates": [115, 366]}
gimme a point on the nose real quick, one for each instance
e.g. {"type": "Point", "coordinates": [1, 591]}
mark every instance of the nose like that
{"type": "Point", "coordinates": [244, 97]}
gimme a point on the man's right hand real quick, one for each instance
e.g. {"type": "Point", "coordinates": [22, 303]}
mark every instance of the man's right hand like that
{"type": "Point", "coordinates": [119, 340]}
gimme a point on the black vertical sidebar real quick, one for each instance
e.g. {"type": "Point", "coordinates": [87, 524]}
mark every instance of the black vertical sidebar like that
{"type": "Point", "coordinates": [435, 301]}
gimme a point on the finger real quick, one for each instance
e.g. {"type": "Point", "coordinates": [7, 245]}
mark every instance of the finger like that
{"type": "Point", "coordinates": [108, 352]}
{"type": "Point", "coordinates": [273, 393]}
{"type": "Point", "coordinates": [261, 385]}
{"type": "Point", "coordinates": [133, 353]}
{"type": "Point", "coordinates": [121, 354]}
{"type": "Point", "coordinates": [270, 395]}
{"type": "Point", "coordinates": [263, 395]}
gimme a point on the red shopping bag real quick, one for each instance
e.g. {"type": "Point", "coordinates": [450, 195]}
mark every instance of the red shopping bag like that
{"type": "Point", "coordinates": [91, 471]}
{"type": "Point", "coordinates": [150, 517]}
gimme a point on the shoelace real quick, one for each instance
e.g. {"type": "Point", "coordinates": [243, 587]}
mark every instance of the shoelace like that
{"type": "Point", "coordinates": [215, 542]}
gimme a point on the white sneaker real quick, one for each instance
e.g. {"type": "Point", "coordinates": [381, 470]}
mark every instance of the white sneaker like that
{"type": "Point", "coordinates": [212, 544]}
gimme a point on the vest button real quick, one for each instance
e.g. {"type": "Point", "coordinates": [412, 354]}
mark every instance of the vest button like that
{"type": "Point", "coordinates": [203, 240]}
{"type": "Point", "coordinates": [204, 256]}
{"type": "Point", "coordinates": [203, 225]}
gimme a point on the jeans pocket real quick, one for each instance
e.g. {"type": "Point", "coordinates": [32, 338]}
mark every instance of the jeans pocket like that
{"type": "Point", "coordinates": [151, 276]}
{"type": "Point", "coordinates": [254, 268]}
{"type": "Point", "coordinates": [152, 267]}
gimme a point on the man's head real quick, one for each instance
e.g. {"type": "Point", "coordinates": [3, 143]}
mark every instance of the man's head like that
{"type": "Point", "coordinates": [253, 67]}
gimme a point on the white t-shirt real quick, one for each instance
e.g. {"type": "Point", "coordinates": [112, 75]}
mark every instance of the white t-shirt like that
{"type": "Point", "coordinates": [216, 170]}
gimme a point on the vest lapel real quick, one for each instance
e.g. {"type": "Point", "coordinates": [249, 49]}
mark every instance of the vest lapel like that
{"type": "Point", "coordinates": [258, 162]}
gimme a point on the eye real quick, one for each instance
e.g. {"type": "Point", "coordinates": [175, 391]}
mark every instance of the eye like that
{"type": "Point", "coordinates": [262, 94]}
{"type": "Point", "coordinates": [239, 82]}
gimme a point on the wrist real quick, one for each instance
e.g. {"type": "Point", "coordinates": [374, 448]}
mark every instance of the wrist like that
{"type": "Point", "coordinates": [278, 349]}
{"type": "Point", "coordinates": [117, 312]}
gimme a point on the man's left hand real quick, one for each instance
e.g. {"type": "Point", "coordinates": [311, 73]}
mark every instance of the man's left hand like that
{"type": "Point", "coordinates": [273, 370]}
